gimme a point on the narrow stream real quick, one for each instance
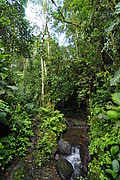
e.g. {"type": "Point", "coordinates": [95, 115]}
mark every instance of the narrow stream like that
{"type": "Point", "coordinates": [77, 137]}
{"type": "Point", "coordinates": [75, 160]}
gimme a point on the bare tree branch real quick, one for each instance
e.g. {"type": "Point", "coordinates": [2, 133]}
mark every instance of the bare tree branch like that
{"type": "Point", "coordinates": [63, 18]}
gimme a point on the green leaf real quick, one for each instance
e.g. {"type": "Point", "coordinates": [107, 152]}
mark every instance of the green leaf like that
{"type": "Point", "coordinates": [115, 165]}
{"type": "Point", "coordinates": [116, 98]}
{"type": "Point", "coordinates": [109, 171]}
{"type": "Point", "coordinates": [117, 8]}
{"type": "Point", "coordinates": [1, 147]}
{"type": "Point", "coordinates": [2, 91]}
{"type": "Point", "coordinates": [14, 88]}
{"type": "Point", "coordinates": [54, 128]}
{"type": "Point", "coordinates": [102, 116]}
{"type": "Point", "coordinates": [3, 75]}
{"type": "Point", "coordinates": [2, 115]}
{"type": "Point", "coordinates": [113, 107]}
{"type": "Point", "coordinates": [113, 114]}
{"type": "Point", "coordinates": [6, 109]}
{"type": "Point", "coordinates": [4, 68]}
{"type": "Point", "coordinates": [2, 57]}
{"type": "Point", "coordinates": [114, 149]}
{"type": "Point", "coordinates": [116, 78]}
{"type": "Point", "coordinates": [114, 175]}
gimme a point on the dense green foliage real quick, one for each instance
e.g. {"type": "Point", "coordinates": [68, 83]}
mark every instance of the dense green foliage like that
{"type": "Point", "coordinates": [105, 142]}
{"type": "Point", "coordinates": [15, 120]}
{"type": "Point", "coordinates": [51, 126]}
{"type": "Point", "coordinates": [81, 75]}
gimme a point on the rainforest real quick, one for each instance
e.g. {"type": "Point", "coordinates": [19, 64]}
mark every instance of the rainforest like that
{"type": "Point", "coordinates": [60, 90]}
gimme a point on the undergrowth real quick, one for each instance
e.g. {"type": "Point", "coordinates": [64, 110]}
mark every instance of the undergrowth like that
{"type": "Point", "coordinates": [51, 127]}
{"type": "Point", "coordinates": [17, 141]}
{"type": "Point", "coordinates": [105, 140]}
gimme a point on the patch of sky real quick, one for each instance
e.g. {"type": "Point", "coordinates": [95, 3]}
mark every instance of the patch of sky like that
{"type": "Point", "coordinates": [35, 17]}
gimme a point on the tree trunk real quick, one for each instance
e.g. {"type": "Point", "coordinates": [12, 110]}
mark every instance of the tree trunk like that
{"type": "Point", "coordinates": [25, 71]}
{"type": "Point", "coordinates": [42, 95]}
{"type": "Point", "coordinates": [43, 64]}
{"type": "Point", "coordinates": [48, 41]}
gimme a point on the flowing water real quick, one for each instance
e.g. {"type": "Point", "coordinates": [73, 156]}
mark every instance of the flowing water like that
{"type": "Point", "coordinates": [77, 136]}
{"type": "Point", "coordinates": [74, 157]}
{"type": "Point", "coordinates": [75, 160]}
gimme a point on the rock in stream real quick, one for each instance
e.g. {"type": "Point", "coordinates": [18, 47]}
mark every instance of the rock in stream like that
{"type": "Point", "coordinates": [65, 168]}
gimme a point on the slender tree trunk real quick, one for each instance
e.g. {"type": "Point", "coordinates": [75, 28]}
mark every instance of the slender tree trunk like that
{"type": "Point", "coordinates": [48, 47]}
{"type": "Point", "coordinates": [43, 60]}
{"type": "Point", "coordinates": [25, 71]}
{"type": "Point", "coordinates": [42, 66]}
{"type": "Point", "coordinates": [48, 41]}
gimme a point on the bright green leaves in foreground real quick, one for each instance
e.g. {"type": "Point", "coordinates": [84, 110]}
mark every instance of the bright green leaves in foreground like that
{"type": "Point", "coordinates": [115, 169]}
{"type": "Point", "coordinates": [116, 78]}
{"type": "Point", "coordinates": [105, 144]}
{"type": "Point", "coordinates": [114, 113]}
{"type": "Point", "coordinates": [116, 98]}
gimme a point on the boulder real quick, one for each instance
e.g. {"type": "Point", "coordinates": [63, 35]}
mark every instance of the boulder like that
{"type": "Point", "coordinates": [64, 147]}
{"type": "Point", "coordinates": [64, 168]}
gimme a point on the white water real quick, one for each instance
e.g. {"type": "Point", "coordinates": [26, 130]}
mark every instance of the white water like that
{"type": "Point", "coordinates": [75, 160]}
{"type": "Point", "coordinates": [74, 157]}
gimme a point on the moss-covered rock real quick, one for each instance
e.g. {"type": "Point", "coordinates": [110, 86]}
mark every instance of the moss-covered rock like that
{"type": "Point", "coordinates": [64, 168]}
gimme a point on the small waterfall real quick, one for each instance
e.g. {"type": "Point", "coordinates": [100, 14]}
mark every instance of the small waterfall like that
{"type": "Point", "coordinates": [74, 157]}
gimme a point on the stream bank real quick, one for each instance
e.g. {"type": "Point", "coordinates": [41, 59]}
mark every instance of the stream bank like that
{"type": "Point", "coordinates": [77, 137]}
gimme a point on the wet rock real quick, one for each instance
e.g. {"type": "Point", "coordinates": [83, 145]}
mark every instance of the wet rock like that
{"type": "Point", "coordinates": [84, 154]}
{"type": "Point", "coordinates": [85, 157]}
{"type": "Point", "coordinates": [64, 147]}
{"type": "Point", "coordinates": [64, 168]}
